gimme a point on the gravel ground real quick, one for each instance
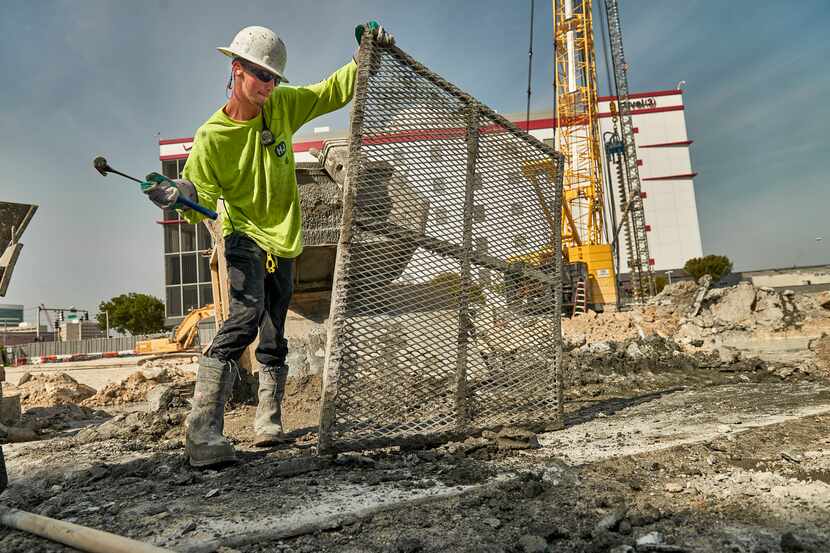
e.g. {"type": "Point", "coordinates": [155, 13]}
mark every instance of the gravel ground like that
{"type": "Point", "coordinates": [715, 464]}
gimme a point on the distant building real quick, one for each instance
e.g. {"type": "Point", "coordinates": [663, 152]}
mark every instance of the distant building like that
{"type": "Point", "coordinates": [80, 330]}
{"type": "Point", "coordinates": [665, 171]}
{"type": "Point", "coordinates": [11, 315]}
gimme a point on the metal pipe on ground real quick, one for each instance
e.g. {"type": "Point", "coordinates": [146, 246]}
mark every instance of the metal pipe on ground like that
{"type": "Point", "coordinates": [73, 535]}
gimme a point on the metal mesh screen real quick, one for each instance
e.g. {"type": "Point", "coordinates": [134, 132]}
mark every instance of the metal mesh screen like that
{"type": "Point", "coordinates": [447, 293]}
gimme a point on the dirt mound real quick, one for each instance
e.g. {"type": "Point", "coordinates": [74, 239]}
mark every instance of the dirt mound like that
{"type": "Point", "coordinates": [136, 386]}
{"type": "Point", "coordinates": [301, 403]}
{"type": "Point", "coordinates": [59, 417]}
{"type": "Point", "coordinates": [48, 390]}
{"type": "Point", "coordinates": [592, 327]}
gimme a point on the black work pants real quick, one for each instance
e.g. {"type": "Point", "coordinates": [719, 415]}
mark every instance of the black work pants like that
{"type": "Point", "coordinates": [258, 302]}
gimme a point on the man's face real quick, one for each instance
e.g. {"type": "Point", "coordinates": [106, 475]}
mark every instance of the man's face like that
{"type": "Point", "coordinates": [252, 87]}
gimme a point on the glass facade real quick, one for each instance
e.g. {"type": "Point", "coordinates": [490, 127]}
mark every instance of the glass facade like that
{"type": "Point", "coordinates": [186, 259]}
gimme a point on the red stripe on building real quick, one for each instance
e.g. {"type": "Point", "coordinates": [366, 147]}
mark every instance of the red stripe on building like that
{"type": "Point", "coordinates": [535, 124]}
{"type": "Point", "coordinates": [175, 141]}
{"type": "Point", "coordinates": [654, 94]}
{"type": "Point", "coordinates": [667, 144]}
{"type": "Point", "coordinates": [646, 110]}
{"type": "Point", "coordinates": [443, 134]}
{"type": "Point", "coordinates": [306, 146]}
{"type": "Point", "coordinates": [673, 177]}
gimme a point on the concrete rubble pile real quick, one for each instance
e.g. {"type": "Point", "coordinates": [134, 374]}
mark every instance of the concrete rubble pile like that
{"type": "Point", "coordinates": [694, 326]}
{"type": "Point", "coordinates": [48, 390]}
{"type": "Point", "coordinates": [147, 384]}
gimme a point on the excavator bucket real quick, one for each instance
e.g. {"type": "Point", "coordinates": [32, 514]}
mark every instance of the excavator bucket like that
{"type": "Point", "coordinates": [423, 343]}
{"type": "Point", "coordinates": [14, 218]}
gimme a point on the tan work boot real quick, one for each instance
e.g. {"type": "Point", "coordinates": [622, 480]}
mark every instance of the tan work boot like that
{"type": "Point", "coordinates": [268, 420]}
{"type": "Point", "coordinates": [204, 443]}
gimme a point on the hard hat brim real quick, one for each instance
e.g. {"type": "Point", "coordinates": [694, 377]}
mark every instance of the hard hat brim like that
{"type": "Point", "coordinates": [231, 54]}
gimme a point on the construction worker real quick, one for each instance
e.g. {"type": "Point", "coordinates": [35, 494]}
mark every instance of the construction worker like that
{"type": "Point", "coordinates": [243, 154]}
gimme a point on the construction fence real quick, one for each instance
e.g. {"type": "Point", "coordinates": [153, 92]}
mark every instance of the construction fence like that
{"type": "Point", "coordinates": [447, 292]}
{"type": "Point", "coordinates": [79, 347]}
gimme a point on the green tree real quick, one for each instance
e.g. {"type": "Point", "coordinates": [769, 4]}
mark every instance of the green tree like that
{"type": "Point", "coordinates": [133, 313]}
{"type": "Point", "coordinates": [715, 265]}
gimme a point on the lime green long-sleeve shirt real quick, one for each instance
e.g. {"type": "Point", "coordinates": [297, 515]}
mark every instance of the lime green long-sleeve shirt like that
{"type": "Point", "coordinates": [258, 183]}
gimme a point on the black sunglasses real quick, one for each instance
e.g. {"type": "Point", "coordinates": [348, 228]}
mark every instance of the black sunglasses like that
{"type": "Point", "coordinates": [261, 74]}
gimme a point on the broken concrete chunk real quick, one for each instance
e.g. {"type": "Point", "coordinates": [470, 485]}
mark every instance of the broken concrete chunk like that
{"type": "Point", "coordinates": [650, 539]}
{"type": "Point", "coordinates": [10, 410]}
{"type": "Point", "coordinates": [736, 305]}
{"type": "Point", "coordinates": [159, 398]}
{"type": "Point", "coordinates": [533, 544]}
{"type": "Point", "coordinates": [513, 438]}
{"type": "Point", "coordinates": [611, 521]}
{"type": "Point", "coordinates": [674, 487]}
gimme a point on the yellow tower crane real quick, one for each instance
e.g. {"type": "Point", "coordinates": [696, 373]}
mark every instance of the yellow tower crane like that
{"type": "Point", "coordinates": [578, 139]}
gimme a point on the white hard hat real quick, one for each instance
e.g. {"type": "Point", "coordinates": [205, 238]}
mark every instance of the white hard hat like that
{"type": "Point", "coordinates": [261, 46]}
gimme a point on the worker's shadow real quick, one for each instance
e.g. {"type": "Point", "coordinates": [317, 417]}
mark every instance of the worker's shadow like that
{"type": "Point", "coordinates": [608, 407]}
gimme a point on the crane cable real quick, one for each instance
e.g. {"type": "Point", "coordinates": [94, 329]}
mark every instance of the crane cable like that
{"type": "Point", "coordinates": [529, 66]}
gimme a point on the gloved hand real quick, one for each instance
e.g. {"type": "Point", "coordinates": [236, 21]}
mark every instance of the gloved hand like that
{"type": "Point", "coordinates": [164, 194]}
{"type": "Point", "coordinates": [382, 37]}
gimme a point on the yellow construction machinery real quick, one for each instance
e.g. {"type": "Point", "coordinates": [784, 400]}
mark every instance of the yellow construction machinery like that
{"type": "Point", "coordinates": [578, 139]}
{"type": "Point", "coordinates": [183, 336]}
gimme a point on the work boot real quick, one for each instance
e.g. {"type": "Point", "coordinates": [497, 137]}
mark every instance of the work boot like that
{"type": "Point", "coordinates": [204, 443]}
{"type": "Point", "coordinates": [268, 420]}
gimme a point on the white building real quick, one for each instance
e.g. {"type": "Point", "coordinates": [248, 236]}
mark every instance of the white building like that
{"type": "Point", "coordinates": [663, 158]}
{"type": "Point", "coordinates": [666, 173]}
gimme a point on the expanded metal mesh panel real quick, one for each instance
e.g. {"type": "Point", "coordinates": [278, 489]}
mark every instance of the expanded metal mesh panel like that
{"type": "Point", "coordinates": [446, 302]}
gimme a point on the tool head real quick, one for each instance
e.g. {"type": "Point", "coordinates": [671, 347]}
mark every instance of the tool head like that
{"type": "Point", "coordinates": [101, 165]}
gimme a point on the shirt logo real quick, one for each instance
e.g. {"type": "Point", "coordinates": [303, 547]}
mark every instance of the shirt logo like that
{"type": "Point", "coordinates": [280, 148]}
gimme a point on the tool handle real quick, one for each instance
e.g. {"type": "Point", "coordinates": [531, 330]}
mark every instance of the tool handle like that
{"type": "Point", "coordinates": [196, 207]}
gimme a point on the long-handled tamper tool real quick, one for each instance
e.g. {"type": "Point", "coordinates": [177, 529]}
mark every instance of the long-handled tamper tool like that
{"type": "Point", "coordinates": [103, 167]}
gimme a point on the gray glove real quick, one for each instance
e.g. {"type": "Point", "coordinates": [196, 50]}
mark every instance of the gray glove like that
{"type": "Point", "coordinates": [165, 192]}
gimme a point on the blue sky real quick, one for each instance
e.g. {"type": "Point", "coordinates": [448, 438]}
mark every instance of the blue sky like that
{"type": "Point", "coordinates": [88, 77]}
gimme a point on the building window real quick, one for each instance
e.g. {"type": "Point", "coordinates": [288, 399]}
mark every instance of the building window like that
{"type": "Point", "coordinates": [174, 301]}
{"type": "Point", "coordinates": [517, 210]}
{"type": "Point", "coordinates": [205, 294]}
{"type": "Point", "coordinates": [441, 216]}
{"type": "Point", "coordinates": [171, 238]}
{"type": "Point", "coordinates": [189, 268]}
{"type": "Point", "coordinates": [172, 270]}
{"type": "Point", "coordinates": [181, 168]}
{"type": "Point", "coordinates": [204, 268]}
{"type": "Point", "coordinates": [169, 169]}
{"type": "Point", "coordinates": [188, 237]}
{"type": "Point", "coordinates": [203, 236]}
{"type": "Point", "coordinates": [190, 298]}
{"type": "Point", "coordinates": [439, 185]}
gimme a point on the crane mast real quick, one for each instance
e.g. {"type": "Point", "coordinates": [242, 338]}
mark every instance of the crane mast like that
{"type": "Point", "coordinates": [578, 139]}
{"type": "Point", "coordinates": [632, 214]}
